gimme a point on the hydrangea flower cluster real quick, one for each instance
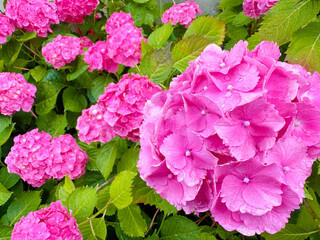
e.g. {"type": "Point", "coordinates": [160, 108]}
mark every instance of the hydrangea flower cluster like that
{"type": "Point", "coordinates": [32, 15]}
{"type": "Point", "coordinates": [15, 93]}
{"type": "Point", "coordinates": [75, 10]}
{"type": "Point", "coordinates": [6, 28]}
{"type": "Point", "coordinates": [182, 13]}
{"type": "Point", "coordinates": [118, 111]}
{"type": "Point", "coordinates": [62, 50]}
{"type": "Point", "coordinates": [247, 128]}
{"type": "Point", "coordinates": [36, 157]}
{"type": "Point", "coordinates": [117, 20]}
{"type": "Point", "coordinates": [54, 222]}
{"type": "Point", "coordinates": [255, 8]}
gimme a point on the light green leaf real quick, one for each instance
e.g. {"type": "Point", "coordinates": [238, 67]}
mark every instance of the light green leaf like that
{"type": "Point", "coordinates": [286, 17]}
{"type": "Point", "coordinates": [229, 3]}
{"type": "Point", "coordinates": [10, 51]}
{"type": "Point", "coordinates": [8, 180]}
{"type": "Point", "coordinates": [241, 19]}
{"type": "Point", "coordinates": [38, 72]}
{"type": "Point", "coordinates": [52, 123]}
{"type": "Point", "coordinates": [5, 232]}
{"type": "Point", "coordinates": [106, 157]}
{"type": "Point", "coordinates": [304, 48]}
{"type": "Point", "coordinates": [131, 221]}
{"type": "Point", "coordinates": [157, 64]}
{"type": "Point", "coordinates": [129, 160]}
{"type": "Point", "coordinates": [4, 195]}
{"type": "Point", "coordinates": [153, 198]}
{"type": "Point", "coordinates": [81, 68]}
{"type": "Point", "coordinates": [160, 35]}
{"type": "Point", "coordinates": [141, 1]}
{"type": "Point", "coordinates": [207, 236]}
{"type": "Point", "coordinates": [73, 100]}
{"type": "Point", "coordinates": [5, 134]}
{"type": "Point", "coordinates": [306, 220]}
{"type": "Point", "coordinates": [210, 27]}
{"type": "Point", "coordinates": [5, 121]}
{"type": "Point", "coordinates": [187, 50]}
{"type": "Point", "coordinates": [103, 199]}
{"type": "Point", "coordinates": [180, 228]}
{"type": "Point", "coordinates": [120, 189]}
{"type": "Point", "coordinates": [64, 191]}
{"type": "Point", "coordinates": [82, 202]}
{"type": "Point", "coordinates": [290, 232]}
{"type": "Point", "coordinates": [27, 36]}
{"type": "Point", "coordinates": [26, 202]}
{"type": "Point", "coordinates": [98, 229]}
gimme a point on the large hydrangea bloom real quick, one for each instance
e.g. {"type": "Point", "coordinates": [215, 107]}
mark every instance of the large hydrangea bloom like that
{"type": "Point", "coordinates": [182, 13]}
{"type": "Point", "coordinates": [49, 223]}
{"type": "Point", "coordinates": [33, 15]}
{"type": "Point", "coordinates": [6, 28]}
{"type": "Point", "coordinates": [232, 122]}
{"type": "Point", "coordinates": [75, 10]}
{"type": "Point", "coordinates": [118, 111]}
{"type": "Point", "coordinates": [36, 158]}
{"type": "Point", "coordinates": [117, 20]}
{"type": "Point", "coordinates": [255, 8]}
{"type": "Point", "coordinates": [15, 93]}
{"type": "Point", "coordinates": [62, 50]}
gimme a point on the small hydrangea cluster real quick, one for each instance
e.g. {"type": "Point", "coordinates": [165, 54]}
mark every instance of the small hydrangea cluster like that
{"type": "Point", "coordinates": [118, 111]}
{"type": "Point", "coordinates": [54, 222]}
{"type": "Point", "coordinates": [255, 8]}
{"type": "Point", "coordinates": [236, 134]}
{"type": "Point", "coordinates": [62, 50]}
{"type": "Point", "coordinates": [6, 28]}
{"type": "Point", "coordinates": [32, 15]}
{"type": "Point", "coordinates": [15, 93]}
{"type": "Point", "coordinates": [75, 10]}
{"type": "Point", "coordinates": [182, 13]}
{"type": "Point", "coordinates": [117, 20]}
{"type": "Point", "coordinates": [36, 158]}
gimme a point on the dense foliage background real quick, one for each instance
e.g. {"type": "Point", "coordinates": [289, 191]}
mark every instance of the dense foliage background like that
{"type": "Point", "coordinates": [110, 200]}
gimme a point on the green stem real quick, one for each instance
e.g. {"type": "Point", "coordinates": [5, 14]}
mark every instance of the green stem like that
{"type": "Point", "coordinates": [164, 216]}
{"type": "Point", "coordinates": [96, 214]}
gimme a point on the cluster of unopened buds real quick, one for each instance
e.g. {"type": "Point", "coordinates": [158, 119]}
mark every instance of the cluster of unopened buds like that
{"type": "Point", "coordinates": [248, 132]}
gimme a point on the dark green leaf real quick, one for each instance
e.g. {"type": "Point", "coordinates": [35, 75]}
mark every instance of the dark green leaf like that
{"type": "Point", "coordinates": [81, 68]}
{"type": "Point", "coordinates": [103, 199]}
{"type": "Point", "coordinates": [5, 133]}
{"type": "Point", "coordinates": [5, 121]}
{"type": "Point", "coordinates": [73, 100]}
{"type": "Point", "coordinates": [27, 36]}
{"type": "Point", "coordinates": [10, 51]}
{"type": "Point", "coordinates": [5, 232]}
{"type": "Point", "coordinates": [52, 123]}
{"type": "Point", "coordinates": [22, 205]}
{"type": "Point", "coordinates": [99, 84]}
{"type": "Point", "coordinates": [160, 35]}
{"type": "Point", "coordinates": [38, 72]}
{"type": "Point", "coordinates": [8, 180]}
{"type": "Point", "coordinates": [131, 221]}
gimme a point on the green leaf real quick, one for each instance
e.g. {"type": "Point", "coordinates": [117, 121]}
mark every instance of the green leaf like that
{"type": "Point", "coordinates": [187, 50]}
{"type": "Point", "coordinates": [207, 236]}
{"type": "Point", "coordinates": [99, 85]}
{"type": "Point", "coordinates": [5, 121]}
{"type": "Point", "coordinates": [5, 134]}
{"type": "Point", "coordinates": [120, 189]}
{"type": "Point", "coordinates": [210, 27]}
{"type": "Point", "coordinates": [82, 202]}
{"type": "Point", "coordinates": [290, 232]}
{"type": "Point", "coordinates": [52, 123]}
{"type": "Point", "coordinates": [129, 160]}
{"type": "Point", "coordinates": [131, 221]}
{"type": "Point", "coordinates": [141, 1]}
{"type": "Point", "coordinates": [286, 17]}
{"type": "Point", "coordinates": [103, 199]}
{"type": "Point", "coordinates": [241, 19]}
{"type": "Point", "coordinates": [7, 179]}
{"type": "Point", "coordinates": [106, 157]}
{"type": "Point", "coordinates": [304, 48]}
{"type": "Point", "coordinates": [313, 204]}
{"type": "Point", "coordinates": [38, 72]}
{"type": "Point", "coordinates": [27, 36]}
{"type": "Point", "coordinates": [305, 219]}
{"type": "Point", "coordinates": [10, 51]}
{"type": "Point", "coordinates": [180, 228]}
{"type": "Point", "coordinates": [229, 3]}
{"type": "Point", "coordinates": [98, 228]}
{"type": "Point", "coordinates": [307, 194]}
{"type": "Point", "coordinates": [157, 64]}
{"type": "Point", "coordinates": [4, 195]}
{"type": "Point", "coordinates": [26, 202]}
{"type": "Point", "coordinates": [160, 35]}
{"type": "Point", "coordinates": [64, 191]}
{"type": "Point", "coordinates": [81, 68]}
{"type": "Point", "coordinates": [153, 198]}
{"type": "Point", "coordinates": [73, 100]}
{"type": "Point", "coordinates": [5, 232]}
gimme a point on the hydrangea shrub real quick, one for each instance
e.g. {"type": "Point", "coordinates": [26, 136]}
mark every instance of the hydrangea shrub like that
{"type": "Point", "coordinates": [139, 120]}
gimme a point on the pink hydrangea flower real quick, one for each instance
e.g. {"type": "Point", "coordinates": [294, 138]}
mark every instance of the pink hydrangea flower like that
{"type": "Point", "coordinates": [85, 42]}
{"type": "Point", "coordinates": [29, 157]}
{"type": "Point", "coordinates": [49, 223]}
{"type": "Point", "coordinates": [117, 20]}
{"type": "Point", "coordinates": [182, 13]}
{"type": "Point", "coordinates": [124, 45]}
{"type": "Point", "coordinates": [33, 15]}
{"type": "Point", "coordinates": [36, 158]}
{"type": "Point", "coordinates": [62, 50]}
{"type": "Point", "coordinates": [15, 93]}
{"type": "Point", "coordinates": [75, 10]}
{"type": "Point", "coordinates": [6, 28]}
{"type": "Point", "coordinates": [71, 159]}
{"type": "Point", "coordinates": [98, 58]}
{"type": "Point", "coordinates": [255, 8]}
